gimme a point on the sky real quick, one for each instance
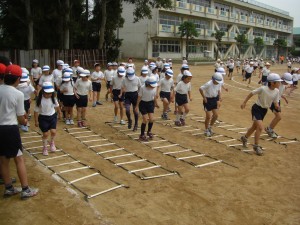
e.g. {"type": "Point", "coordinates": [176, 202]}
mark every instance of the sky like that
{"type": "Point", "coordinates": [291, 6]}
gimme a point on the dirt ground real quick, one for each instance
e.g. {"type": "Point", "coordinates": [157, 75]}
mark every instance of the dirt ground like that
{"type": "Point", "coordinates": [261, 190]}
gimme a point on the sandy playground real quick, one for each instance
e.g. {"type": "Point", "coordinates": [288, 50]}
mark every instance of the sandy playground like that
{"type": "Point", "coordinates": [243, 188]}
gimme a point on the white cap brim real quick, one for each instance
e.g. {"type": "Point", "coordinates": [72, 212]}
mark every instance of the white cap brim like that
{"type": "Point", "coordinates": [49, 90]}
{"type": "Point", "coordinates": [122, 74]}
{"type": "Point", "coordinates": [153, 85]}
{"type": "Point", "coordinates": [66, 79]}
{"type": "Point", "coordinates": [288, 81]}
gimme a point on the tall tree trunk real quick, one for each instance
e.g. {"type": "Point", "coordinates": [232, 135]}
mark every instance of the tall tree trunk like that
{"type": "Point", "coordinates": [86, 23]}
{"type": "Point", "coordinates": [103, 23]}
{"type": "Point", "coordinates": [66, 25]}
{"type": "Point", "coordinates": [29, 25]}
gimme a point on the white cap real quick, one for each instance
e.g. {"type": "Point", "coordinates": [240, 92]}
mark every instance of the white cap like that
{"type": "Point", "coordinates": [218, 60]}
{"type": "Point", "coordinates": [145, 70]}
{"type": "Point", "coordinates": [288, 78]}
{"type": "Point", "coordinates": [66, 65]}
{"type": "Point", "coordinates": [169, 72]}
{"type": "Point", "coordinates": [35, 61]}
{"type": "Point", "coordinates": [84, 73]}
{"type": "Point", "coordinates": [46, 68]}
{"type": "Point", "coordinates": [170, 60]}
{"type": "Point", "coordinates": [187, 73]}
{"type": "Point", "coordinates": [185, 67]}
{"type": "Point", "coordinates": [115, 64]}
{"type": "Point", "coordinates": [109, 64]}
{"type": "Point", "coordinates": [121, 70]}
{"type": "Point", "coordinates": [60, 63]}
{"type": "Point", "coordinates": [130, 73]}
{"type": "Point", "coordinates": [24, 70]}
{"type": "Point", "coordinates": [267, 64]}
{"type": "Point", "coordinates": [79, 69]}
{"type": "Point", "coordinates": [48, 87]}
{"type": "Point", "coordinates": [167, 65]}
{"type": "Point", "coordinates": [221, 70]}
{"type": "Point", "coordinates": [146, 60]}
{"type": "Point", "coordinates": [67, 76]}
{"type": "Point", "coordinates": [24, 77]}
{"type": "Point", "coordinates": [273, 77]}
{"type": "Point", "coordinates": [251, 62]}
{"type": "Point", "coordinates": [184, 61]}
{"type": "Point", "coordinates": [218, 78]}
{"type": "Point", "coordinates": [152, 67]}
{"type": "Point", "coordinates": [151, 81]}
{"type": "Point", "coordinates": [68, 70]}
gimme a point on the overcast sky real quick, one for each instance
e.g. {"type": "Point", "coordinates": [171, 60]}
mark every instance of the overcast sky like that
{"type": "Point", "coordinates": [291, 6]}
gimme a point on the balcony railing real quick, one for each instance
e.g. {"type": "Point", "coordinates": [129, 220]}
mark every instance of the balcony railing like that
{"type": "Point", "coordinates": [166, 28]}
{"type": "Point", "coordinates": [210, 10]}
{"type": "Point", "coordinates": [198, 8]}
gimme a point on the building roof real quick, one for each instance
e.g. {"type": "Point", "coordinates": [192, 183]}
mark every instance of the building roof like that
{"type": "Point", "coordinates": [296, 30]}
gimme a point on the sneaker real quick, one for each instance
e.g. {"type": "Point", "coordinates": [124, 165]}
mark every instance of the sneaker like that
{"type": "Point", "coordinates": [164, 116]}
{"type": "Point", "coordinates": [10, 192]}
{"type": "Point", "coordinates": [29, 116]}
{"type": "Point", "coordinates": [79, 124]}
{"type": "Point", "coordinates": [135, 127]}
{"type": "Point", "coordinates": [182, 121]}
{"type": "Point", "coordinates": [94, 105]}
{"type": "Point", "coordinates": [210, 131]}
{"type": "Point", "coordinates": [129, 124]}
{"type": "Point", "coordinates": [13, 180]}
{"type": "Point", "coordinates": [258, 150]}
{"type": "Point", "coordinates": [143, 138]}
{"type": "Point", "coordinates": [71, 122]}
{"type": "Point", "coordinates": [150, 135]}
{"type": "Point", "coordinates": [177, 123]}
{"type": "Point", "coordinates": [24, 128]}
{"type": "Point", "coordinates": [68, 122]}
{"type": "Point", "coordinates": [45, 150]}
{"type": "Point", "coordinates": [122, 122]}
{"type": "Point", "coordinates": [83, 123]}
{"type": "Point", "coordinates": [207, 133]}
{"type": "Point", "coordinates": [115, 119]}
{"type": "Point", "coordinates": [271, 132]}
{"type": "Point", "coordinates": [30, 192]}
{"type": "Point", "coordinates": [244, 140]}
{"type": "Point", "coordinates": [52, 147]}
{"type": "Point", "coordinates": [99, 103]}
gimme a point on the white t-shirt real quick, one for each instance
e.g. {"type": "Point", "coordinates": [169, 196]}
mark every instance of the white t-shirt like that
{"type": "Point", "coordinates": [131, 85]}
{"type": "Point", "coordinates": [46, 78]}
{"type": "Point", "coordinates": [156, 76]}
{"type": "Point", "coordinates": [67, 86]}
{"type": "Point", "coordinates": [96, 75]}
{"type": "Point", "coordinates": [295, 76]}
{"type": "Point", "coordinates": [159, 64]}
{"type": "Point", "coordinates": [166, 85]}
{"type": "Point", "coordinates": [266, 96]}
{"type": "Point", "coordinates": [116, 82]}
{"type": "Point", "coordinates": [217, 65]}
{"type": "Point", "coordinates": [265, 72]}
{"type": "Point", "coordinates": [26, 89]}
{"type": "Point", "coordinates": [147, 94]}
{"type": "Point", "coordinates": [74, 71]}
{"type": "Point", "coordinates": [238, 63]}
{"type": "Point", "coordinates": [56, 74]}
{"type": "Point", "coordinates": [11, 105]}
{"type": "Point", "coordinates": [231, 65]}
{"type": "Point", "coordinates": [46, 108]}
{"type": "Point", "coordinates": [289, 64]}
{"type": "Point", "coordinates": [210, 90]}
{"type": "Point", "coordinates": [143, 79]}
{"type": "Point", "coordinates": [83, 87]}
{"type": "Point", "coordinates": [130, 65]}
{"type": "Point", "coordinates": [36, 72]}
{"type": "Point", "coordinates": [249, 69]}
{"type": "Point", "coordinates": [179, 77]}
{"type": "Point", "coordinates": [183, 88]}
{"type": "Point", "coordinates": [108, 74]}
{"type": "Point", "coordinates": [281, 90]}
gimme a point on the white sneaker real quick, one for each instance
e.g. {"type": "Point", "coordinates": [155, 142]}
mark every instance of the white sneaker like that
{"type": "Point", "coordinates": [72, 122]}
{"type": "Point", "coordinates": [122, 122]}
{"type": "Point", "coordinates": [115, 119]}
{"type": "Point", "coordinates": [207, 133]}
{"type": "Point", "coordinates": [68, 122]}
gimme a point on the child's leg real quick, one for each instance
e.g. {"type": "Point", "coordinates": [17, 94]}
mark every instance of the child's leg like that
{"type": "Point", "coordinates": [5, 170]}
{"type": "Point", "coordinates": [116, 109]}
{"type": "Point", "coordinates": [207, 118]}
{"type": "Point", "coordinates": [53, 134]}
{"type": "Point", "coordinates": [179, 113]}
{"type": "Point", "coordinates": [251, 129]}
{"type": "Point", "coordinates": [71, 113]}
{"type": "Point", "coordinates": [144, 123]}
{"type": "Point", "coordinates": [121, 105]}
{"type": "Point", "coordinates": [258, 130]}
{"type": "Point", "coordinates": [45, 138]}
{"type": "Point", "coordinates": [165, 105]}
{"type": "Point", "coordinates": [136, 116]}
{"type": "Point", "coordinates": [94, 97]}
{"type": "Point", "coordinates": [276, 120]}
{"type": "Point", "coordinates": [98, 96]}
{"type": "Point", "coordinates": [214, 117]}
{"type": "Point", "coordinates": [186, 110]}
{"type": "Point", "coordinates": [150, 123]}
{"type": "Point", "coordinates": [79, 112]}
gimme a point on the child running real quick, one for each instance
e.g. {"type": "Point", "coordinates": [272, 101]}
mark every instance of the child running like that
{"type": "Point", "coordinates": [26, 88]}
{"type": "Point", "coordinates": [96, 77]}
{"type": "Point", "coordinates": [46, 77]}
{"type": "Point", "coordinates": [130, 86]}
{"type": "Point", "coordinates": [183, 92]}
{"type": "Point", "coordinates": [264, 74]}
{"type": "Point", "coordinates": [45, 115]}
{"type": "Point", "coordinates": [266, 95]}
{"type": "Point", "coordinates": [118, 98]}
{"type": "Point", "coordinates": [211, 93]}
{"type": "Point", "coordinates": [248, 72]}
{"type": "Point", "coordinates": [83, 93]}
{"type": "Point", "coordinates": [166, 86]}
{"type": "Point", "coordinates": [146, 103]}
{"type": "Point", "coordinates": [287, 79]}
{"type": "Point", "coordinates": [68, 97]}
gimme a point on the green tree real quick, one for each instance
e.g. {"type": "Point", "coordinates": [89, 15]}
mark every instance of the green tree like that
{"type": "Point", "coordinates": [188, 30]}
{"type": "Point", "coordinates": [279, 44]}
{"type": "Point", "coordinates": [258, 43]}
{"type": "Point", "coordinates": [241, 39]}
{"type": "Point", "coordinates": [218, 35]}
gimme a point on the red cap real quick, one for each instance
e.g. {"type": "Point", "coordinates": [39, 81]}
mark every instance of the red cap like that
{"type": "Point", "coordinates": [14, 70]}
{"type": "Point", "coordinates": [2, 68]}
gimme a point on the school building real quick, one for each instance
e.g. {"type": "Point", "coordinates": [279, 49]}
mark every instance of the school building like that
{"type": "Point", "coordinates": [160, 35]}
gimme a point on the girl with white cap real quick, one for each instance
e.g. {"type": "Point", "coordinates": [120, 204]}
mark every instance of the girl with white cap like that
{"type": "Point", "coordinates": [266, 96]}
{"type": "Point", "coordinates": [83, 93]}
{"type": "Point", "coordinates": [117, 97]}
{"type": "Point", "coordinates": [35, 72]}
{"type": "Point", "coordinates": [130, 86]}
{"type": "Point", "coordinates": [178, 79]}
{"type": "Point", "coordinates": [211, 93]}
{"type": "Point", "coordinates": [96, 77]}
{"type": "Point", "coordinates": [67, 90]}
{"type": "Point", "coordinates": [45, 115]}
{"type": "Point", "coordinates": [46, 77]}
{"type": "Point", "coordinates": [183, 92]}
{"type": "Point", "coordinates": [144, 75]}
{"type": "Point", "coordinates": [146, 103]}
{"type": "Point", "coordinates": [108, 74]}
{"type": "Point", "coordinates": [166, 86]}
{"type": "Point", "coordinates": [287, 80]}
{"type": "Point", "coordinates": [27, 89]}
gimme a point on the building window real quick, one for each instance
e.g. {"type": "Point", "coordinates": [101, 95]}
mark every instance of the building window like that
{"type": "Point", "coordinates": [258, 32]}
{"type": "Point", "coordinates": [223, 27]}
{"type": "Point", "coordinates": [166, 46]}
{"type": "Point", "coordinates": [200, 24]}
{"type": "Point", "coordinates": [243, 30]}
{"type": "Point", "coordinates": [204, 3]}
{"type": "Point", "coordinates": [169, 20]}
{"type": "Point", "coordinates": [197, 47]}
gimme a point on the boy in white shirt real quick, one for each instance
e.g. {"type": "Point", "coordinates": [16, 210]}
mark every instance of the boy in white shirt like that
{"type": "Point", "coordinates": [248, 72]}
{"type": "Point", "coordinates": [266, 96]}
{"type": "Point", "coordinates": [166, 86]}
{"type": "Point", "coordinates": [108, 74]}
{"type": "Point", "coordinates": [230, 68]}
{"type": "Point", "coordinates": [96, 77]}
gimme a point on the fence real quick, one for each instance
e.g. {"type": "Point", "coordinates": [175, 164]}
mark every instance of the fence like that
{"type": "Point", "coordinates": [49, 56]}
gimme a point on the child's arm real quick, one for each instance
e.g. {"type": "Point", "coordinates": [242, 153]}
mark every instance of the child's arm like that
{"type": "Point", "coordinates": [36, 116]}
{"type": "Point", "coordinates": [90, 95]}
{"type": "Point", "coordinates": [285, 99]}
{"type": "Point", "coordinates": [155, 103]}
{"type": "Point", "coordinates": [246, 100]}
{"type": "Point", "coordinates": [220, 96]}
{"type": "Point", "coordinates": [223, 86]}
{"type": "Point", "coordinates": [138, 102]}
{"type": "Point", "coordinates": [172, 97]}
{"type": "Point", "coordinates": [277, 106]}
{"type": "Point", "coordinates": [203, 96]}
{"type": "Point", "coordinates": [58, 110]}
{"type": "Point", "coordinates": [190, 95]}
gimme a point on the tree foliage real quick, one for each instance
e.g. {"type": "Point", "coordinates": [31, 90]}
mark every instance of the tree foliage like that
{"type": "Point", "coordinates": [241, 39]}
{"type": "Point", "coordinates": [258, 41]}
{"type": "Point", "coordinates": [218, 35]}
{"type": "Point", "coordinates": [280, 43]}
{"type": "Point", "coordinates": [188, 30]}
